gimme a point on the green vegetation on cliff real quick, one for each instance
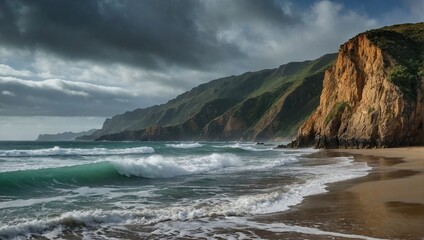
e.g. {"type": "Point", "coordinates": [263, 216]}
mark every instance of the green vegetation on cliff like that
{"type": "Point", "coordinates": [404, 43]}
{"type": "Point", "coordinates": [254, 105]}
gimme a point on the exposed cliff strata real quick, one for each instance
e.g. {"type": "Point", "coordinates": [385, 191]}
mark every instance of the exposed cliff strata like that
{"type": "Point", "coordinates": [365, 102]}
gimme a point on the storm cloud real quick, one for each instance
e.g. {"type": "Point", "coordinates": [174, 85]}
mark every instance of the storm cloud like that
{"type": "Point", "coordinates": [55, 97]}
{"type": "Point", "coordinates": [103, 57]}
{"type": "Point", "coordinates": [149, 34]}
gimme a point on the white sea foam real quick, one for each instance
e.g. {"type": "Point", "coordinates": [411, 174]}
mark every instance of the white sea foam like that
{"type": "Point", "coordinates": [246, 147]}
{"type": "Point", "coordinates": [58, 151]}
{"type": "Point", "coordinates": [280, 201]}
{"type": "Point", "coordinates": [150, 167]}
{"type": "Point", "coordinates": [297, 152]}
{"type": "Point", "coordinates": [110, 193]}
{"type": "Point", "coordinates": [185, 145]}
{"type": "Point", "coordinates": [270, 163]}
{"type": "Point", "coordinates": [239, 228]}
{"type": "Point", "coordinates": [281, 227]}
{"type": "Point", "coordinates": [48, 162]}
{"type": "Point", "coordinates": [157, 166]}
{"type": "Point", "coordinates": [69, 195]}
{"type": "Point", "coordinates": [87, 218]}
{"type": "Point", "coordinates": [246, 205]}
{"type": "Point", "coordinates": [28, 202]}
{"type": "Point", "coordinates": [154, 166]}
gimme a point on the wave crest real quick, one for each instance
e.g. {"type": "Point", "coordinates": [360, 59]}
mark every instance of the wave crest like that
{"type": "Point", "coordinates": [58, 151]}
{"type": "Point", "coordinates": [245, 205]}
{"type": "Point", "coordinates": [157, 166]}
{"type": "Point", "coordinates": [246, 147]}
{"type": "Point", "coordinates": [185, 145]}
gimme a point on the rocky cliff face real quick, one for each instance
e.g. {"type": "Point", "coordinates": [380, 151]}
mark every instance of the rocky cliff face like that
{"type": "Point", "coordinates": [367, 101]}
{"type": "Point", "coordinates": [253, 106]}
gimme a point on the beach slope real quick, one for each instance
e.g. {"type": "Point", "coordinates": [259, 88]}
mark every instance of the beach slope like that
{"type": "Point", "coordinates": [388, 203]}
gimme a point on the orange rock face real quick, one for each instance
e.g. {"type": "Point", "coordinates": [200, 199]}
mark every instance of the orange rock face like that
{"type": "Point", "coordinates": [360, 107]}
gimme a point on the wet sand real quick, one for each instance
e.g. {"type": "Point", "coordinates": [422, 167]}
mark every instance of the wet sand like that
{"type": "Point", "coordinates": [387, 204]}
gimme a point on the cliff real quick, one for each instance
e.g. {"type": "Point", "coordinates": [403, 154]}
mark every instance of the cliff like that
{"type": "Point", "coordinates": [255, 105]}
{"type": "Point", "coordinates": [65, 136]}
{"type": "Point", "coordinates": [373, 96]}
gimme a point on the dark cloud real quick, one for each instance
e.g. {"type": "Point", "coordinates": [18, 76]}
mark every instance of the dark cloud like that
{"type": "Point", "coordinates": [148, 34]}
{"type": "Point", "coordinates": [154, 50]}
{"type": "Point", "coordinates": [103, 57]}
{"type": "Point", "coordinates": [56, 97]}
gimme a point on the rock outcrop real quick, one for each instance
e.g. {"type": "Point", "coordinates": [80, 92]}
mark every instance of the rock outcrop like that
{"type": "Point", "coordinates": [373, 96]}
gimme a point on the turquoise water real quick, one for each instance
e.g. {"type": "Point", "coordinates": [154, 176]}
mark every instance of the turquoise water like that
{"type": "Point", "coordinates": [148, 189]}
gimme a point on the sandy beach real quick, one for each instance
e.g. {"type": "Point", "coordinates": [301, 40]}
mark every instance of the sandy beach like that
{"type": "Point", "coordinates": [386, 204]}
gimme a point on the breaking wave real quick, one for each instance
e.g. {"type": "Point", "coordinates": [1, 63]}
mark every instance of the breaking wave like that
{"type": "Point", "coordinates": [247, 205]}
{"type": "Point", "coordinates": [58, 151]}
{"type": "Point", "coordinates": [185, 145]}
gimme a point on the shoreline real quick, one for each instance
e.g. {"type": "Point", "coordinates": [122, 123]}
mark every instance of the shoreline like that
{"type": "Point", "coordinates": [388, 203]}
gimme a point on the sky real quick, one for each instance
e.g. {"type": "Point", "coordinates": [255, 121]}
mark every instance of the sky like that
{"type": "Point", "coordinates": [67, 65]}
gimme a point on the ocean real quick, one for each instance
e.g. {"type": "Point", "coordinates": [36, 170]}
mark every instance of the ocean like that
{"type": "Point", "coordinates": [157, 190]}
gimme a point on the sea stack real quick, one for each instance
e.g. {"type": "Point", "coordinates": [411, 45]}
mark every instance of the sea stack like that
{"type": "Point", "coordinates": [373, 96]}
